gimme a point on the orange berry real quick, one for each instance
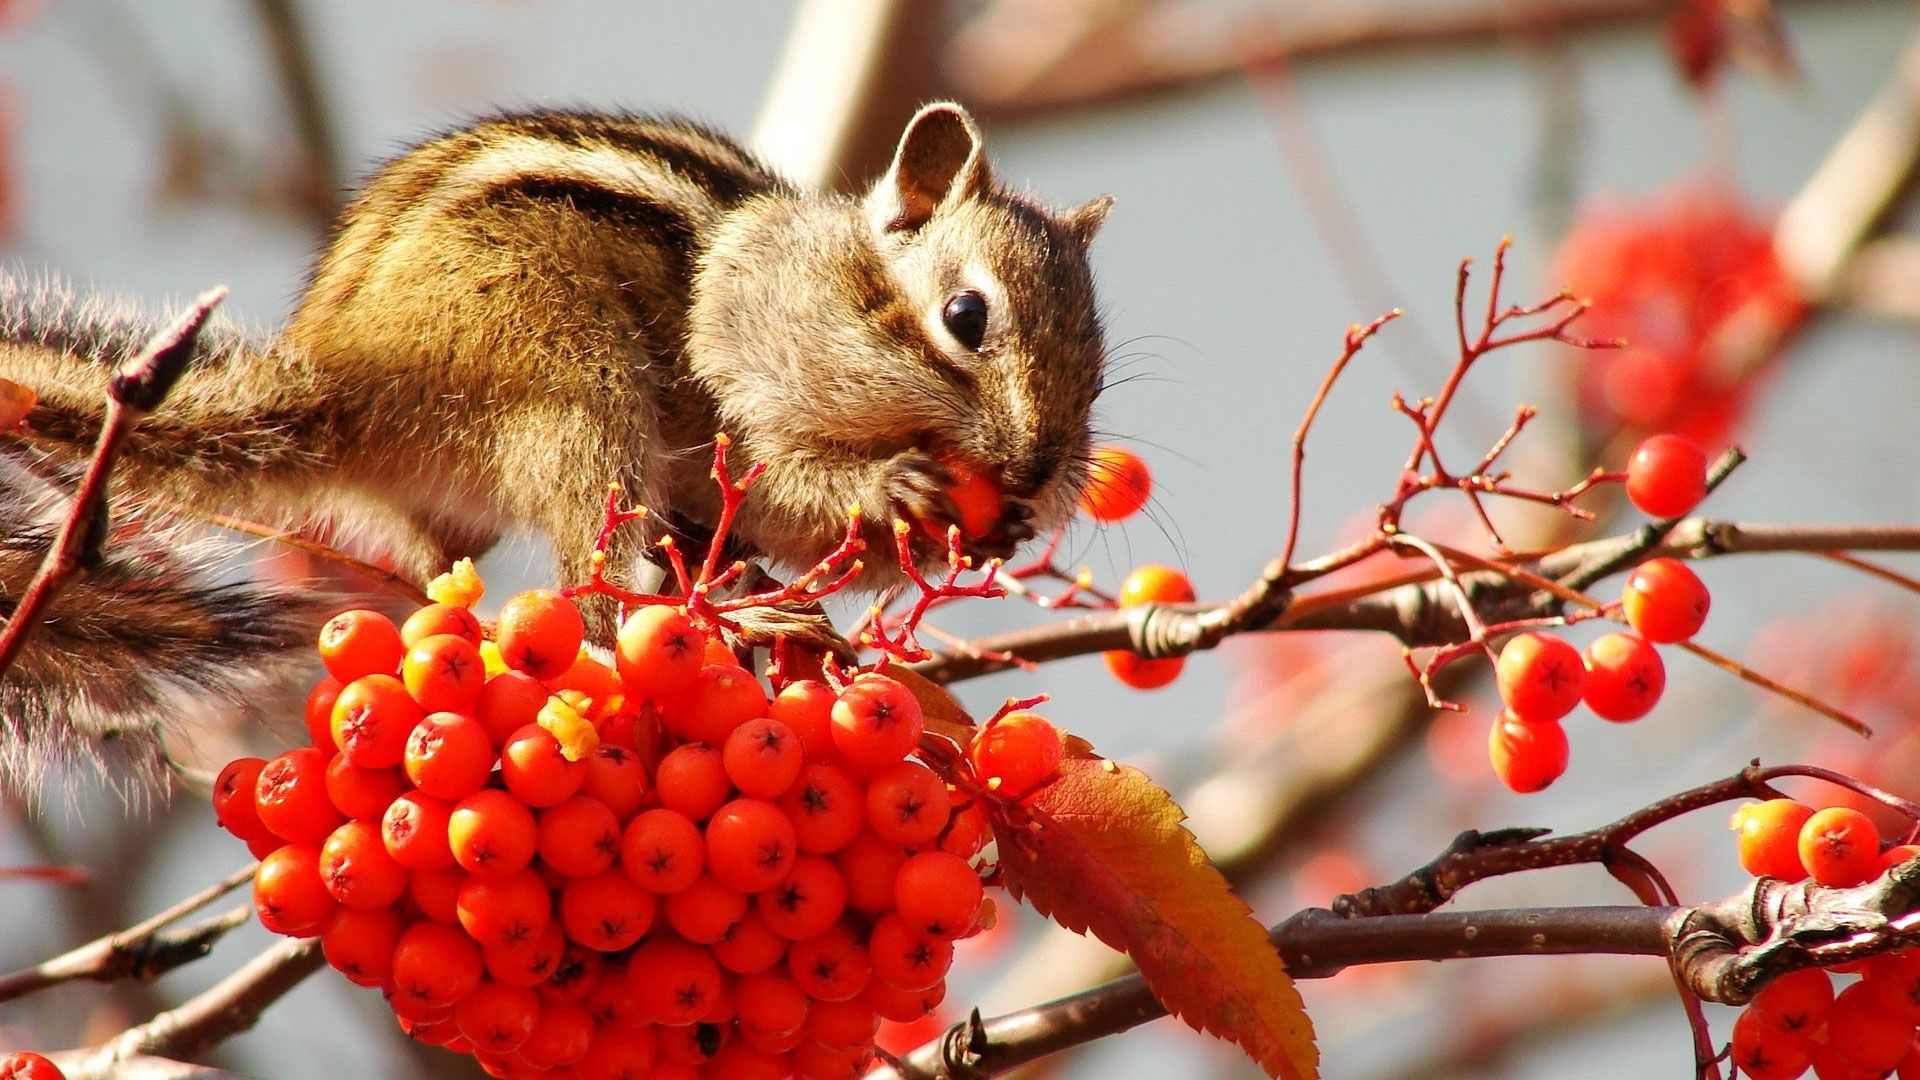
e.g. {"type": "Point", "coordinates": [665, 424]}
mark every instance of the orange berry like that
{"type": "Point", "coordinates": [1142, 673]}
{"type": "Point", "coordinates": [440, 619]}
{"type": "Point", "coordinates": [1020, 751]}
{"type": "Point", "coordinates": [414, 829]}
{"type": "Point", "coordinates": [750, 946]}
{"type": "Point", "coordinates": [937, 894]}
{"type": "Point", "coordinates": [540, 632]}
{"type": "Point", "coordinates": [750, 845]}
{"type": "Point", "coordinates": [976, 496]}
{"type": "Point", "coordinates": [659, 651]}
{"type": "Point", "coordinates": [448, 755]}
{"type": "Point", "coordinates": [906, 958]}
{"type": "Point", "coordinates": [371, 720]}
{"type": "Point", "coordinates": [444, 673]}
{"type": "Point", "coordinates": [606, 912]}
{"type": "Point", "coordinates": [358, 943]}
{"type": "Point", "coordinates": [1769, 837]}
{"type": "Point", "coordinates": [907, 804]}
{"type": "Point", "coordinates": [1840, 847]}
{"type": "Point", "coordinates": [579, 837]}
{"type": "Point", "coordinates": [1155, 584]}
{"type": "Point", "coordinates": [721, 698]}
{"type": "Point", "coordinates": [233, 799]}
{"type": "Point", "coordinates": [869, 864]}
{"type": "Point", "coordinates": [693, 780]}
{"type": "Point", "coordinates": [617, 778]}
{"type": "Point", "coordinates": [508, 702]}
{"type": "Point", "coordinates": [560, 1036]}
{"type": "Point", "coordinates": [496, 1018]}
{"type": "Point", "coordinates": [827, 808]}
{"type": "Point", "coordinates": [360, 642]}
{"type": "Point", "coordinates": [675, 982]}
{"type": "Point", "coordinates": [662, 850]}
{"type": "Point", "coordinates": [1862, 1032]}
{"type": "Point", "coordinates": [705, 910]}
{"type": "Point", "coordinates": [356, 869]}
{"type": "Point", "coordinates": [762, 757]}
{"type": "Point", "coordinates": [808, 902]}
{"type": "Point", "coordinates": [491, 833]}
{"type": "Point", "coordinates": [1763, 1053]}
{"type": "Point", "coordinates": [319, 713]}
{"type": "Point", "coordinates": [528, 962]}
{"type": "Point", "coordinates": [536, 770]}
{"type": "Point", "coordinates": [1625, 677]}
{"type": "Point", "coordinates": [1540, 677]}
{"type": "Point", "coordinates": [1797, 1002]}
{"type": "Point", "coordinates": [362, 794]}
{"type": "Point", "coordinates": [504, 909]}
{"type": "Point", "coordinates": [832, 967]}
{"type": "Point", "coordinates": [290, 796]}
{"type": "Point", "coordinates": [616, 1053]}
{"type": "Point", "coordinates": [1527, 756]}
{"type": "Point", "coordinates": [437, 892]}
{"type": "Point", "coordinates": [288, 893]}
{"type": "Point", "coordinates": [806, 706]}
{"type": "Point", "coordinates": [1665, 601]}
{"type": "Point", "coordinates": [770, 1003]}
{"type": "Point", "coordinates": [876, 722]}
{"type": "Point", "coordinates": [1118, 484]}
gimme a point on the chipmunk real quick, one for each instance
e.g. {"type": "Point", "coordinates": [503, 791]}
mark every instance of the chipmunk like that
{"type": "Point", "coordinates": [516, 314]}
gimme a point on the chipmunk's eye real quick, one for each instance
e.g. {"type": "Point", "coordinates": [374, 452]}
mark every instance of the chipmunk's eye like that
{"type": "Point", "coordinates": [966, 319]}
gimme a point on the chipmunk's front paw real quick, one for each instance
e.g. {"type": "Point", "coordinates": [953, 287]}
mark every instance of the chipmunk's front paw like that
{"type": "Point", "coordinates": [917, 490]}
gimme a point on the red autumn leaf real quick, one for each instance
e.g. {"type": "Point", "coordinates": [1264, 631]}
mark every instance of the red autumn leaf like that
{"type": "Point", "coordinates": [1102, 849]}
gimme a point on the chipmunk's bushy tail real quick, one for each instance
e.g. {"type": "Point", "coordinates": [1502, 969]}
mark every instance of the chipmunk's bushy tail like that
{"type": "Point", "coordinates": [147, 638]}
{"type": "Point", "coordinates": [162, 630]}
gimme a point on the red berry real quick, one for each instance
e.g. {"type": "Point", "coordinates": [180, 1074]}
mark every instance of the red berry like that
{"type": "Point", "coordinates": [1142, 673]}
{"type": "Point", "coordinates": [762, 757]}
{"type": "Point", "coordinates": [876, 722]}
{"type": "Point", "coordinates": [444, 673]}
{"type": "Point", "coordinates": [414, 829]}
{"type": "Point", "coordinates": [372, 718]}
{"type": "Point", "coordinates": [1527, 757]}
{"type": "Point", "coordinates": [905, 958]}
{"type": "Point", "coordinates": [1540, 677]}
{"type": "Point", "coordinates": [288, 893]}
{"type": "Point", "coordinates": [1118, 484]}
{"type": "Point", "coordinates": [540, 633]}
{"type": "Point", "coordinates": [1019, 751]}
{"type": "Point", "coordinates": [1667, 476]}
{"type": "Point", "coordinates": [675, 982]}
{"type": "Point", "coordinates": [662, 850]}
{"type": "Point", "coordinates": [1665, 601]}
{"type": "Point", "coordinates": [1154, 584]}
{"type": "Point", "coordinates": [360, 642]}
{"type": "Point", "coordinates": [233, 799]}
{"type": "Point", "coordinates": [579, 837]}
{"type": "Point", "coordinates": [659, 651]}
{"type": "Point", "coordinates": [1840, 847]}
{"type": "Point", "coordinates": [440, 619]}
{"type": "Point", "coordinates": [1766, 1053]}
{"type": "Point", "coordinates": [1769, 837]}
{"type": "Point", "coordinates": [808, 902]}
{"type": "Point", "coordinates": [491, 833]}
{"type": "Point", "coordinates": [937, 894]}
{"type": "Point", "coordinates": [907, 804]}
{"type": "Point", "coordinates": [722, 698]}
{"type": "Point", "coordinates": [25, 1065]}
{"type": "Point", "coordinates": [508, 702]}
{"type": "Point", "coordinates": [506, 909]}
{"type": "Point", "coordinates": [827, 808]}
{"type": "Point", "coordinates": [496, 1018]}
{"type": "Point", "coordinates": [693, 780]}
{"type": "Point", "coordinates": [1625, 677]}
{"type": "Point", "coordinates": [607, 912]}
{"type": "Point", "coordinates": [358, 943]}
{"type": "Point", "coordinates": [356, 868]}
{"type": "Point", "coordinates": [1862, 1032]}
{"type": "Point", "coordinates": [448, 756]}
{"type": "Point", "coordinates": [536, 770]}
{"type": "Point", "coordinates": [806, 706]}
{"type": "Point", "coordinates": [290, 796]}
{"type": "Point", "coordinates": [832, 967]}
{"type": "Point", "coordinates": [1797, 1002]}
{"type": "Point", "coordinates": [750, 845]}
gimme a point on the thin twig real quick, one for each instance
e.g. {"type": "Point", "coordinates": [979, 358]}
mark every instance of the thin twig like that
{"type": "Point", "coordinates": [138, 952]}
{"type": "Point", "coordinates": [136, 389]}
{"type": "Point", "coordinates": [227, 1008]}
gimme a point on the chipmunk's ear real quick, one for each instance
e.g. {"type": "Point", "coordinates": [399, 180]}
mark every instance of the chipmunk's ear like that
{"type": "Point", "coordinates": [1084, 220]}
{"type": "Point", "coordinates": [942, 161]}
